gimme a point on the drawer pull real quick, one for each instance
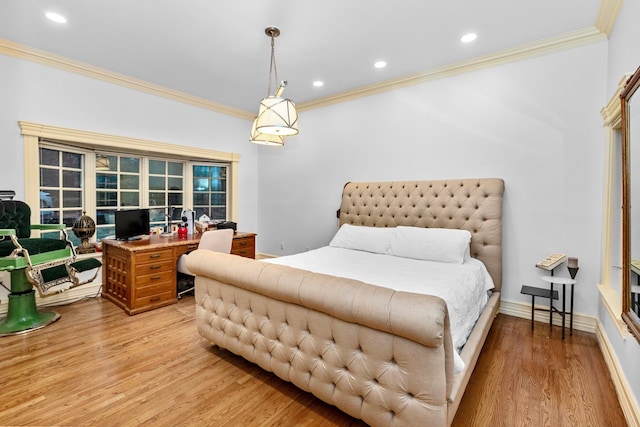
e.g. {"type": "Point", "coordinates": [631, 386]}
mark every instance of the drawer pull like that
{"type": "Point", "coordinates": [243, 243]}
{"type": "Point", "coordinates": [155, 267]}
{"type": "Point", "coordinates": [155, 277]}
{"type": "Point", "coordinates": [155, 256]}
{"type": "Point", "coordinates": [152, 299]}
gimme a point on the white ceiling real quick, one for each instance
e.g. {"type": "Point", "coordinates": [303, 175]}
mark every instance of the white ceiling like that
{"type": "Point", "coordinates": [218, 50]}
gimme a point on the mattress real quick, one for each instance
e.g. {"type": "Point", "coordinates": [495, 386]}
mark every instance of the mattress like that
{"type": "Point", "coordinates": [464, 287]}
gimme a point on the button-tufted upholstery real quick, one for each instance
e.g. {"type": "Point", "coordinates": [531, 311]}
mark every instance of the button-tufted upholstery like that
{"type": "Point", "coordinates": [16, 215]}
{"type": "Point", "coordinates": [382, 356]}
{"type": "Point", "coordinates": [467, 204]}
{"type": "Point", "coordinates": [375, 353]}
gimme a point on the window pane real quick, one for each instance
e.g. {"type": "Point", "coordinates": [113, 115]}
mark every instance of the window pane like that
{"type": "Point", "coordinates": [175, 199]}
{"type": "Point", "coordinates": [106, 198]}
{"type": "Point", "coordinates": [49, 157]}
{"type": "Point", "coordinates": [103, 232]}
{"type": "Point", "coordinates": [69, 217]}
{"type": "Point", "coordinates": [49, 217]}
{"type": "Point", "coordinates": [71, 179]}
{"type": "Point", "coordinates": [53, 198]}
{"type": "Point", "coordinates": [201, 171]}
{"type": "Point", "coordinates": [109, 181]}
{"type": "Point", "coordinates": [175, 183]}
{"type": "Point", "coordinates": [46, 199]}
{"type": "Point", "coordinates": [72, 199]}
{"type": "Point", "coordinates": [175, 168]}
{"type": "Point", "coordinates": [200, 184]}
{"type": "Point", "coordinates": [129, 182]}
{"type": "Point", "coordinates": [106, 163]}
{"type": "Point", "coordinates": [218, 199]}
{"type": "Point", "coordinates": [156, 183]}
{"type": "Point", "coordinates": [129, 164]}
{"type": "Point", "coordinates": [218, 185]}
{"type": "Point", "coordinates": [49, 177]}
{"type": "Point", "coordinates": [129, 199]}
{"type": "Point", "coordinates": [201, 198]}
{"type": "Point", "coordinates": [157, 215]}
{"type": "Point", "coordinates": [71, 160]}
{"type": "Point", "coordinates": [104, 216]}
{"type": "Point", "coordinates": [218, 213]}
{"type": "Point", "coordinates": [157, 167]}
{"type": "Point", "coordinates": [156, 199]}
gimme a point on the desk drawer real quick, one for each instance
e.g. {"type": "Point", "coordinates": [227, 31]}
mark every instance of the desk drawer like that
{"type": "Point", "coordinates": [155, 288]}
{"type": "Point", "coordinates": [155, 300]}
{"type": "Point", "coordinates": [156, 277]}
{"type": "Point", "coordinates": [244, 246]}
{"type": "Point", "coordinates": [143, 257]}
{"type": "Point", "coordinates": [154, 268]}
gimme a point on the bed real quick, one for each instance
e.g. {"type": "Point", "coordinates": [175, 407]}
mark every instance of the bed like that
{"type": "Point", "coordinates": [381, 353]}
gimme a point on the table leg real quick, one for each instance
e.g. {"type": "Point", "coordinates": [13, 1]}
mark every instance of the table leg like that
{"type": "Point", "coordinates": [564, 306]}
{"type": "Point", "coordinates": [551, 309]}
{"type": "Point", "coordinates": [571, 318]}
{"type": "Point", "coordinates": [533, 310]}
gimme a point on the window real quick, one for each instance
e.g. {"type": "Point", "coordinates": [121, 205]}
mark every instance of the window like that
{"type": "Point", "coordinates": [125, 173]}
{"type": "Point", "coordinates": [210, 191]}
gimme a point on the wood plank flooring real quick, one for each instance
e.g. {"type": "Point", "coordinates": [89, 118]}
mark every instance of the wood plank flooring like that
{"type": "Point", "coordinates": [98, 366]}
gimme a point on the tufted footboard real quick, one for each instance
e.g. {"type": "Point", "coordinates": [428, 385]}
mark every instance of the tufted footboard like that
{"type": "Point", "coordinates": [383, 356]}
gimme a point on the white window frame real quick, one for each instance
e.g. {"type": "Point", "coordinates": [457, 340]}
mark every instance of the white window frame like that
{"type": "Point", "coordinates": [92, 141]}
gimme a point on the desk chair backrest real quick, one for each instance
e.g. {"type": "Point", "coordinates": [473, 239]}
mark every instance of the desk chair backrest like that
{"type": "Point", "coordinates": [214, 240]}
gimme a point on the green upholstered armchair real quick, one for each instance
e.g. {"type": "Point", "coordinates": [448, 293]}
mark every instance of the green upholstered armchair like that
{"type": "Point", "coordinates": [34, 262]}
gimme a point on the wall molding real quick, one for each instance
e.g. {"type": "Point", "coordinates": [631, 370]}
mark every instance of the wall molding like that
{"type": "Point", "coordinates": [625, 394]}
{"type": "Point", "coordinates": [541, 47]}
{"type": "Point", "coordinates": [28, 53]}
{"type": "Point", "coordinates": [607, 15]}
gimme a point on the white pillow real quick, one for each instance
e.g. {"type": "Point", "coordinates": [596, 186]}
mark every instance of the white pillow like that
{"type": "Point", "coordinates": [431, 244]}
{"type": "Point", "coordinates": [362, 238]}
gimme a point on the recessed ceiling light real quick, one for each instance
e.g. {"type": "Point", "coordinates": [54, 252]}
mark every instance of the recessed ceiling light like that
{"type": "Point", "coordinates": [380, 64]}
{"type": "Point", "coordinates": [56, 17]}
{"type": "Point", "coordinates": [467, 38]}
{"type": "Point", "coordinates": [318, 83]}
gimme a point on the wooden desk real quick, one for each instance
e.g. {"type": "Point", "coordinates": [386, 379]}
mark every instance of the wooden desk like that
{"type": "Point", "coordinates": [140, 275]}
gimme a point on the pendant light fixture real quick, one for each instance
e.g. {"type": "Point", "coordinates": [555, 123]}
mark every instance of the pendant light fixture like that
{"type": "Point", "coordinates": [265, 138]}
{"type": "Point", "coordinates": [277, 116]}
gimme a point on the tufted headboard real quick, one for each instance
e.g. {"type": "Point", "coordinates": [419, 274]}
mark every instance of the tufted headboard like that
{"type": "Point", "coordinates": [468, 204]}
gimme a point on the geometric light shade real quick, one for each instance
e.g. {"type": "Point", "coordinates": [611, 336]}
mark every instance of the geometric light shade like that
{"type": "Point", "coordinates": [102, 163]}
{"type": "Point", "coordinates": [277, 116]}
{"type": "Point", "coordinates": [265, 138]}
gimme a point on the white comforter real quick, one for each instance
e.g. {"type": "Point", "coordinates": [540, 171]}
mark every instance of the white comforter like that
{"type": "Point", "coordinates": [464, 287]}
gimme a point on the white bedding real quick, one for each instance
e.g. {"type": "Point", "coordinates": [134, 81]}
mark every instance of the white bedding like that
{"type": "Point", "coordinates": [464, 286]}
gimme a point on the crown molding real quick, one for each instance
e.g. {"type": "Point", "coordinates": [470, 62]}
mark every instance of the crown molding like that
{"type": "Point", "coordinates": [28, 53]}
{"type": "Point", "coordinates": [561, 42]}
{"type": "Point", "coordinates": [608, 12]}
{"type": "Point", "coordinates": [607, 15]}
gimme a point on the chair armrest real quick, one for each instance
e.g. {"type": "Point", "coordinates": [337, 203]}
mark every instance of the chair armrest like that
{"type": "Point", "coordinates": [7, 232]}
{"type": "Point", "coordinates": [48, 227]}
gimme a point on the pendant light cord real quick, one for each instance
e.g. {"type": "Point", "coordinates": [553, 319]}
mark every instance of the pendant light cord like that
{"type": "Point", "coordinates": [273, 69]}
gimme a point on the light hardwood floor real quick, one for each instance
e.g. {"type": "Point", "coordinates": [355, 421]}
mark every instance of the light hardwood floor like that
{"type": "Point", "coordinates": [98, 366]}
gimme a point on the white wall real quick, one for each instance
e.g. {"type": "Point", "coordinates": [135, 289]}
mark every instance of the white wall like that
{"type": "Point", "coordinates": [534, 123]}
{"type": "Point", "coordinates": [36, 93]}
{"type": "Point", "coordinates": [624, 57]}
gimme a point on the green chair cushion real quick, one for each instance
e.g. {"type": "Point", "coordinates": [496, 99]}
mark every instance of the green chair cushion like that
{"type": "Point", "coordinates": [60, 271]}
{"type": "Point", "coordinates": [32, 245]}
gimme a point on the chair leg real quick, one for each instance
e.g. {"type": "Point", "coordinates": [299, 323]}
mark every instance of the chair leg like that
{"type": "Point", "coordinates": [23, 315]}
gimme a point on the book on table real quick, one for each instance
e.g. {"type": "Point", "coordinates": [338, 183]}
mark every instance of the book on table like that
{"type": "Point", "coordinates": [552, 261]}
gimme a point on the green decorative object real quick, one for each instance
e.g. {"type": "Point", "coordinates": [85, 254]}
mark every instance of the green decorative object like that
{"type": "Point", "coordinates": [84, 228]}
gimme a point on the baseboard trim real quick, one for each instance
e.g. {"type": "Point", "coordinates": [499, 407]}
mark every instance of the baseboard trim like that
{"type": "Point", "coordinates": [625, 394]}
{"type": "Point", "coordinates": [580, 321]}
